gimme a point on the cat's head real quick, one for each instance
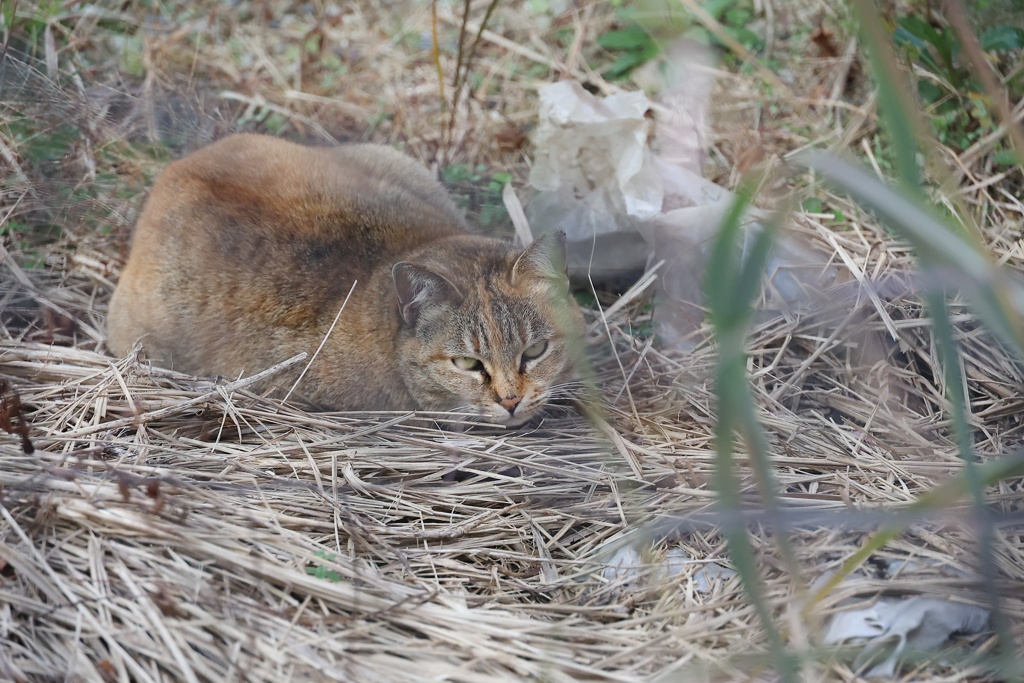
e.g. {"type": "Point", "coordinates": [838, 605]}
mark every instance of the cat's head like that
{"type": "Point", "coordinates": [492, 330]}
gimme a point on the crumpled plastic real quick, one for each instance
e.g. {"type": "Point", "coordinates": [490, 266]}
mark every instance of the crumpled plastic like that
{"type": "Point", "coordinates": [598, 146]}
{"type": "Point", "coordinates": [878, 636]}
{"type": "Point", "coordinates": [628, 567]}
{"type": "Point", "coordinates": [891, 628]}
{"type": "Point", "coordinates": [625, 208]}
{"type": "Point", "coordinates": [594, 177]}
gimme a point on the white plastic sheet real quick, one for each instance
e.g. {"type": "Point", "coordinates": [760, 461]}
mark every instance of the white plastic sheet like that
{"type": "Point", "coordinates": [595, 178]}
{"type": "Point", "coordinates": [891, 628]}
{"type": "Point", "coordinates": [625, 207]}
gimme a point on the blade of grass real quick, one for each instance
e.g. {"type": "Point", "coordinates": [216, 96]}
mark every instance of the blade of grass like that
{"type": "Point", "coordinates": [732, 284]}
{"type": "Point", "coordinates": [463, 58]}
{"type": "Point", "coordinates": [459, 73]}
{"type": "Point", "coordinates": [480, 31]}
{"type": "Point", "coordinates": [903, 212]}
{"type": "Point", "coordinates": [952, 370]}
{"type": "Point", "coordinates": [724, 259]}
{"type": "Point", "coordinates": [943, 496]}
{"type": "Point", "coordinates": [908, 130]}
{"type": "Point", "coordinates": [955, 253]}
{"type": "Point", "coordinates": [897, 107]}
{"type": "Point", "coordinates": [436, 54]}
{"type": "Point", "coordinates": [943, 248]}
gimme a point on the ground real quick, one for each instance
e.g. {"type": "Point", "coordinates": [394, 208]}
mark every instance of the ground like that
{"type": "Point", "coordinates": [166, 527]}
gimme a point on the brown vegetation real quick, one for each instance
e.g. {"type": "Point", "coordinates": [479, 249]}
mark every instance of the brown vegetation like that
{"type": "Point", "coordinates": [172, 528]}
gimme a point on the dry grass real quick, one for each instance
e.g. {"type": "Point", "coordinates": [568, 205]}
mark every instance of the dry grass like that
{"type": "Point", "coordinates": [169, 528]}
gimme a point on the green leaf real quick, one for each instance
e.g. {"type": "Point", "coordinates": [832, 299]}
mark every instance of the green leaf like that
{"type": "Point", "coordinates": [948, 46]}
{"type": "Point", "coordinates": [896, 104]}
{"type": "Point", "coordinates": [930, 91]}
{"type": "Point", "coordinates": [628, 61]}
{"type": "Point", "coordinates": [920, 30]}
{"type": "Point", "coordinates": [737, 17]}
{"type": "Point", "coordinates": [49, 145]}
{"type": "Point", "coordinates": [718, 8]}
{"type": "Point", "coordinates": [630, 38]}
{"type": "Point", "coordinates": [457, 173]}
{"type": "Point", "coordinates": [700, 35]}
{"type": "Point", "coordinates": [904, 38]}
{"type": "Point", "coordinates": [925, 41]}
{"type": "Point", "coordinates": [1006, 157]}
{"type": "Point", "coordinates": [12, 226]}
{"type": "Point", "coordinates": [724, 260]}
{"type": "Point", "coordinates": [748, 283]}
{"type": "Point", "coordinates": [746, 37]}
{"type": "Point", "coordinates": [8, 15]}
{"type": "Point", "coordinates": [1001, 38]}
{"type": "Point", "coordinates": [732, 284]}
{"type": "Point", "coordinates": [812, 205]}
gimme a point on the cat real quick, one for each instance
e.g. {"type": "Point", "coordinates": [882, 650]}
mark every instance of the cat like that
{"type": "Point", "coordinates": [246, 249]}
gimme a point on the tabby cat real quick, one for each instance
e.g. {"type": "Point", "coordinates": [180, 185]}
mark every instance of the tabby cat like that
{"type": "Point", "coordinates": [246, 249]}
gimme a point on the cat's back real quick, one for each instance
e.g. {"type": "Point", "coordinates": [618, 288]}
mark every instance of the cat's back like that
{"type": "Point", "coordinates": [262, 230]}
{"type": "Point", "coordinates": [303, 191]}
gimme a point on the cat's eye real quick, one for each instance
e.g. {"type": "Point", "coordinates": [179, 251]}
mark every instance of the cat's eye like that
{"type": "Point", "coordinates": [535, 350]}
{"type": "Point", "coordinates": [468, 364]}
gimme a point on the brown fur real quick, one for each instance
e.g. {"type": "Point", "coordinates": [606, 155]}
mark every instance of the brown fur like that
{"type": "Point", "coordinates": [246, 249]}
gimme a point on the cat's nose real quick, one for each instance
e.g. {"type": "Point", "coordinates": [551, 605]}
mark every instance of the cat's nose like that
{"type": "Point", "coordinates": [510, 402]}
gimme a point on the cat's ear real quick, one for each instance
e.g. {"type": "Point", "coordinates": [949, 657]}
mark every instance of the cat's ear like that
{"type": "Point", "coordinates": [421, 289]}
{"type": "Point", "coordinates": [544, 258]}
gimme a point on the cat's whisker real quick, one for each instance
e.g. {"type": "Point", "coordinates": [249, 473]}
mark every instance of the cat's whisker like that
{"type": "Point", "coordinates": [589, 401]}
{"type": "Point", "coordinates": [562, 397]}
{"type": "Point", "coordinates": [585, 397]}
{"type": "Point", "coordinates": [570, 383]}
{"type": "Point", "coordinates": [558, 407]}
{"type": "Point", "coordinates": [569, 386]}
{"type": "Point", "coordinates": [567, 393]}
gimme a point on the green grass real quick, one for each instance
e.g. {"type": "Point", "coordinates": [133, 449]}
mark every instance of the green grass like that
{"type": "Point", "coordinates": [647, 27]}
{"type": "Point", "coordinates": [953, 262]}
{"type": "Point", "coordinates": [478, 192]}
{"type": "Point", "coordinates": [944, 248]}
{"type": "Point", "coordinates": [322, 571]}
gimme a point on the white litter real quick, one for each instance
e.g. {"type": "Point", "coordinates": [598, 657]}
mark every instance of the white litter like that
{"type": "Point", "coordinates": [892, 628]}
